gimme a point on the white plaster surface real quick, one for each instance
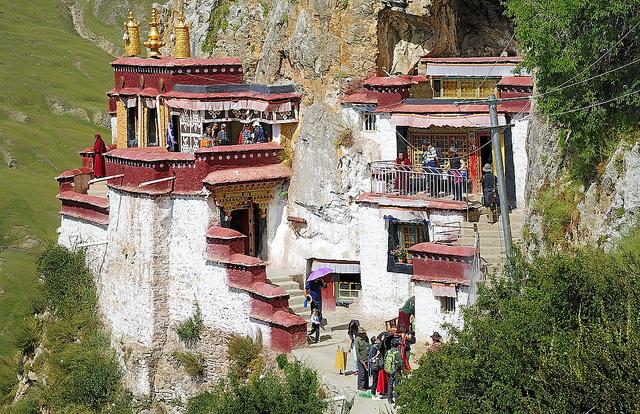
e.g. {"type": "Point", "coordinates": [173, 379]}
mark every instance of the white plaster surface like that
{"type": "Point", "coordinates": [383, 292]}
{"type": "Point", "coordinates": [74, 231]}
{"type": "Point", "coordinates": [384, 137]}
{"type": "Point", "coordinates": [114, 129]}
{"type": "Point", "coordinates": [520, 158]}
{"type": "Point", "coordinates": [445, 224]}
{"type": "Point", "coordinates": [429, 317]}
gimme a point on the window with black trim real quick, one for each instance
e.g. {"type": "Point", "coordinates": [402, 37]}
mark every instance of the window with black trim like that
{"type": "Point", "coordinates": [403, 235]}
{"type": "Point", "coordinates": [132, 126]}
{"type": "Point", "coordinates": [368, 121]}
{"type": "Point", "coordinates": [152, 130]}
{"type": "Point", "coordinates": [447, 304]}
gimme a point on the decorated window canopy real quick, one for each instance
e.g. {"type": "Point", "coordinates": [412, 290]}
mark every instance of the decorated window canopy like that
{"type": "Point", "coordinates": [338, 266]}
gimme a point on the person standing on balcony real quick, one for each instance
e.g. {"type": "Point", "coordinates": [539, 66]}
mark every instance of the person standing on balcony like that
{"type": "Point", "coordinates": [206, 139]}
{"type": "Point", "coordinates": [222, 138]}
{"type": "Point", "coordinates": [99, 148]}
{"type": "Point", "coordinates": [245, 136]}
{"type": "Point", "coordinates": [455, 177]}
{"type": "Point", "coordinates": [430, 167]}
{"type": "Point", "coordinates": [402, 173]}
{"type": "Point", "coordinates": [258, 133]}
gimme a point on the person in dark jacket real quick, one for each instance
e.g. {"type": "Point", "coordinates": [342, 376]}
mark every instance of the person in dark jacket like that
{"type": "Point", "coordinates": [362, 354]}
{"type": "Point", "coordinates": [376, 363]}
{"type": "Point", "coordinates": [489, 191]}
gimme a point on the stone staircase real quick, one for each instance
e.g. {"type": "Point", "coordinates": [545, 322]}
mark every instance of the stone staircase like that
{"type": "Point", "coordinates": [285, 279]}
{"type": "Point", "coordinates": [491, 243]}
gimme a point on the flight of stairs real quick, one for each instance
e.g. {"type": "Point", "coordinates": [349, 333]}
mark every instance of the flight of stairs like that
{"type": "Point", "coordinates": [491, 242]}
{"type": "Point", "coordinates": [285, 279]}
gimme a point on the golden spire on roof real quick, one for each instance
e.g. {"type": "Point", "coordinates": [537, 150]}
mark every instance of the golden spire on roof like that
{"type": "Point", "coordinates": [182, 45]}
{"type": "Point", "coordinates": [131, 36]}
{"type": "Point", "coordinates": [153, 42]}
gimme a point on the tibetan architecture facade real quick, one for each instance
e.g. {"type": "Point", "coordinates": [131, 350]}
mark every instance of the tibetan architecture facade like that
{"type": "Point", "coordinates": [182, 220]}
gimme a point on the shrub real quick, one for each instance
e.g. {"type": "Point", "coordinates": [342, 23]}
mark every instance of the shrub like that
{"type": "Point", "coordinates": [85, 376]}
{"type": "Point", "coordinates": [244, 354]}
{"type": "Point", "coordinates": [191, 328]}
{"type": "Point", "coordinates": [345, 138]}
{"type": "Point", "coordinates": [8, 378]}
{"type": "Point", "coordinates": [27, 336]}
{"type": "Point", "coordinates": [295, 391]}
{"type": "Point", "coordinates": [282, 361]}
{"type": "Point", "coordinates": [24, 406]}
{"type": "Point", "coordinates": [192, 363]}
{"type": "Point", "coordinates": [556, 208]}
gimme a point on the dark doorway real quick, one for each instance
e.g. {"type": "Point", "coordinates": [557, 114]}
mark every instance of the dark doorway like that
{"type": "Point", "coordinates": [132, 126]}
{"type": "Point", "coordinates": [486, 155]}
{"type": "Point", "coordinates": [152, 130]}
{"type": "Point", "coordinates": [175, 130]}
{"type": "Point", "coordinates": [239, 221]}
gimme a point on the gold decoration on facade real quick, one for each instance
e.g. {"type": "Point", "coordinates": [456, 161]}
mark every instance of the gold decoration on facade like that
{"type": "Point", "coordinates": [182, 45]}
{"type": "Point", "coordinates": [231, 197]}
{"type": "Point", "coordinates": [153, 42]}
{"type": "Point", "coordinates": [131, 36]}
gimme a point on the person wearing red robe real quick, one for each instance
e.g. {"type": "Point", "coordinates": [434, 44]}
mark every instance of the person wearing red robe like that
{"type": "Point", "coordinates": [402, 175]}
{"type": "Point", "coordinates": [99, 148]}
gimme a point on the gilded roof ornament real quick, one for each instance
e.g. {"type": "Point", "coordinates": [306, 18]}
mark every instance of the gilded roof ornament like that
{"type": "Point", "coordinates": [182, 45]}
{"type": "Point", "coordinates": [131, 36]}
{"type": "Point", "coordinates": [153, 42]}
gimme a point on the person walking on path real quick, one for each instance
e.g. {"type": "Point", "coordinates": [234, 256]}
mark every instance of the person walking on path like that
{"type": "Point", "coordinates": [99, 148]}
{"type": "Point", "coordinates": [352, 331]}
{"type": "Point", "coordinates": [362, 353]}
{"type": "Point", "coordinates": [376, 363]}
{"type": "Point", "coordinates": [314, 289]}
{"type": "Point", "coordinates": [315, 326]}
{"type": "Point", "coordinates": [393, 367]}
{"type": "Point", "coordinates": [489, 193]}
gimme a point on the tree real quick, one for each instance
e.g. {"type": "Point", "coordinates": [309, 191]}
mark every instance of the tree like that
{"type": "Point", "coordinates": [568, 41]}
{"type": "Point", "coordinates": [562, 337]}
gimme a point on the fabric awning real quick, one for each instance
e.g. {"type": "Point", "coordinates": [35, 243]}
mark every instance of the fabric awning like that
{"type": "Point", "coordinates": [149, 102]}
{"type": "Point", "coordinates": [397, 220]}
{"type": "Point", "coordinates": [456, 121]}
{"type": "Point", "coordinates": [262, 106]}
{"type": "Point", "coordinates": [443, 290]}
{"type": "Point", "coordinates": [130, 102]}
{"type": "Point", "coordinates": [341, 267]}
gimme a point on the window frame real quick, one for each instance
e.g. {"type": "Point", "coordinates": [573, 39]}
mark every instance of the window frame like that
{"type": "Point", "coordinates": [369, 121]}
{"type": "Point", "coordinates": [448, 304]}
{"type": "Point", "coordinates": [438, 87]}
{"type": "Point", "coordinates": [394, 236]}
{"type": "Point", "coordinates": [132, 127]}
{"type": "Point", "coordinates": [152, 124]}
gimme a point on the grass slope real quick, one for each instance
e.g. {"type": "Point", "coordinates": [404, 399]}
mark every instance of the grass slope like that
{"type": "Point", "coordinates": [43, 60]}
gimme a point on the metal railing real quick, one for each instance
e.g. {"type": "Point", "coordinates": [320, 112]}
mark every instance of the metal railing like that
{"type": "Point", "coordinates": [387, 177]}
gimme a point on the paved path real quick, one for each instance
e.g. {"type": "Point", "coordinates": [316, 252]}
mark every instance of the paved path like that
{"type": "Point", "coordinates": [322, 357]}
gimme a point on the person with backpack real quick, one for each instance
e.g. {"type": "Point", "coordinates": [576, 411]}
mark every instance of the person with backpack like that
{"type": "Point", "coordinates": [393, 367]}
{"type": "Point", "coordinates": [362, 353]}
{"type": "Point", "coordinates": [376, 363]}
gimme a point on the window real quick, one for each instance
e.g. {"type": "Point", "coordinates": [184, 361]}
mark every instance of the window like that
{"type": "Point", "coordinates": [152, 130]}
{"type": "Point", "coordinates": [132, 126]}
{"type": "Point", "coordinates": [349, 287]}
{"type": "Point", "coordinates": [447, 304]}
{"type": "Point", "coordinates": [464, 88]}
{"type": "Point", "coordinates": [368, 121]}
{"type": "Point", "coordinates": [403, 235]}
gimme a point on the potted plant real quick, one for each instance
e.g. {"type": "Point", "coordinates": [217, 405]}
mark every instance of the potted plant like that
{"type": "Point", "coordinates": [400, 253]}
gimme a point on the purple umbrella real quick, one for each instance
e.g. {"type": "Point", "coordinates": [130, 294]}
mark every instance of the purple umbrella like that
{"type": "Point", "coordinates": [319, 273]}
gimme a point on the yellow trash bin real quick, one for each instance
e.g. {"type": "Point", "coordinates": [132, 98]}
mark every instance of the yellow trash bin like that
{"type": "Point", "coordinates": [341, 360]}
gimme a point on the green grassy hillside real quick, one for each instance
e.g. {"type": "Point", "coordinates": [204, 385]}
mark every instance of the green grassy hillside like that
{"type": "Point", "coordinates": [54, 84]}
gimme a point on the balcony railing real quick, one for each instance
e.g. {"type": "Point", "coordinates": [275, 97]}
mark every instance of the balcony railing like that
{"type": "Point", "coordinates": [387, 177]}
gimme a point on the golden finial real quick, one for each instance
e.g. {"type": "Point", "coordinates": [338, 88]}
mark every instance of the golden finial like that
{"type": "Point", "coordinates": [153, 42]}
{"type": "Point", "coordinates": [182, 45]}
{"type": "Point", "coordinates": [131, 36]}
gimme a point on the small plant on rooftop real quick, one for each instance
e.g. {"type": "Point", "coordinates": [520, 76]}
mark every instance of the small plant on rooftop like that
{"type": "Point", "coordinates": [190, 329]}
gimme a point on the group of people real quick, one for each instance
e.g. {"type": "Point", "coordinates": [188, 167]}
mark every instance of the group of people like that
{"type": "Point", "coordinates": [382, 360]}
{"type": "Point", "coordinates": [443, 174]}
{"type": "Point", "coordinates": [215, 135]}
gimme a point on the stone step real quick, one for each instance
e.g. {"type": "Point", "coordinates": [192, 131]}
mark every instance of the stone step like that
{"type": "Point", "coordinates": [286, 284]}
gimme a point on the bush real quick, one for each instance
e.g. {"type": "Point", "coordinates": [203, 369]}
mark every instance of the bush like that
{"type": "Point", "coordinates": [556, 208]}
{"type": "Point", "coordinates": [67, 283]}
{"type": "Point", "coordinates": [191, 328]}
{"type": "Point", "coordinates": [244, 354]}
{"type": "Point", "coordinates": [24, 406]}
{"type": "Point", "coordinates": [295, 391]}
{"type": "Point", "coordinates": [193, 364]}
{"type": "Point", "coordinates": [563, 336]}
{"type": "Point", "coordinates": [8, 378]}
{"type": "Point", "coordinates": [86, 376]}
{"type": "Point", "coordinates": [27, 336]}
{"type": "Point", "coordinates": [282, 361]}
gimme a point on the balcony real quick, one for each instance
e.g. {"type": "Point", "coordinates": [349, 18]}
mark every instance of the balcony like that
{"type": "Point", "coordinates": [387, 177]}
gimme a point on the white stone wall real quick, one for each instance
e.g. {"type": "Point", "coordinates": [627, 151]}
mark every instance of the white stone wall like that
{"type": "Point", "coordinates": [384, 137]}
{"type": "Point", "coordinates": [429, 317]}
{"type": "Point", "coordinates": [74, 231]}
{"type": "Point", "coordinates": [520, 158]}
{"type": "Point", "coordinates": [383, 292]}
{"type": "Point", "coordinates": [114, 129]}
{"type": "Point", "coordinates": [445, 224]}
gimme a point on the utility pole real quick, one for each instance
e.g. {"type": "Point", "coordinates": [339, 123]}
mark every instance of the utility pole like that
{"type": "Point", "coordinates": [502, 185]}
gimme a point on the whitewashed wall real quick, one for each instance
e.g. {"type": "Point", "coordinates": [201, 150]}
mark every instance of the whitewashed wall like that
{"type": "Point", "coordinates": [74, 231]}
{"type": "Point", "coordinates": [520, 158]}
{"type": "Point", "coordinates": [444, 223]}
{"type": "Point", "coordinates": [383, 292]}
{"type": "Point", "coordinates": [384, 136]}
{"type": "Point", "coordinates": [429, 317]}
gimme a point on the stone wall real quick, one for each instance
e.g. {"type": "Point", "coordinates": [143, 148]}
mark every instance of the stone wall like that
{"type": "Point", "coordinates": [429, 316]}
{"type": "Point", "coordinates": [520, 159]}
